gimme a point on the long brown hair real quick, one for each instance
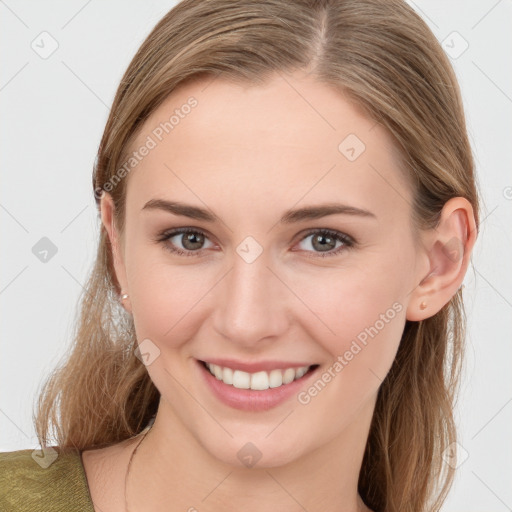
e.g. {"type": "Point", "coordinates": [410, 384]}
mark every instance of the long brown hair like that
{"type": "Point", "coordinates": [385, 58]}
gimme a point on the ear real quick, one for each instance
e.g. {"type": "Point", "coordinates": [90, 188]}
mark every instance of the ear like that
{"type": "Point", "coordinates": [108, 219]}
{"type": "Point", "coordinates": [448, 249]}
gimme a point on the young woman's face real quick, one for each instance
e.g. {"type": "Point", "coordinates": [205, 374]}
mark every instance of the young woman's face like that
{"type": "Point", "coordinates": [260, 283]}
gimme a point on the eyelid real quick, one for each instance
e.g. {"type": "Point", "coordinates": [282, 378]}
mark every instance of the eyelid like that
{"type": "Point", "coordinates": [335, 232]}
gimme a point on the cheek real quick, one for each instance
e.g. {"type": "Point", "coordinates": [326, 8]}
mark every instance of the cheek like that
{"type": "Point", "coordinates": [166, 297]}
{"type": "Point", "coordinates": [356, 314]}
{"type": "Point", "coordinates": [367, 324]}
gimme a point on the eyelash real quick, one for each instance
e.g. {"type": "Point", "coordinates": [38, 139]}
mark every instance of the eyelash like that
{"type": "Point", "coordinates": [347, 240]}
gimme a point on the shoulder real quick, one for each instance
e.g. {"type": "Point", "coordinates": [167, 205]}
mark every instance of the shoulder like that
{"type": "Point", "coordinates": [50, 481]}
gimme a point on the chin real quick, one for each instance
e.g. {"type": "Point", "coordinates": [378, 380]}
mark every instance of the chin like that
{"type": "Point", "coordinates": [256, 452]}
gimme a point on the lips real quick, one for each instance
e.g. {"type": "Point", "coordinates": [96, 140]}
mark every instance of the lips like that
{"type": "Point", "coordinates": [241, 395]}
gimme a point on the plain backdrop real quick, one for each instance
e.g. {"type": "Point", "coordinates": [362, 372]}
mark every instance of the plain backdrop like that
{"type": "Point", "coordinates": [61, 64]}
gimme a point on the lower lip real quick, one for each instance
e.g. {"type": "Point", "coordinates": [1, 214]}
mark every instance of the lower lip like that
{"type": "Point", "coordinates": [251, 399]}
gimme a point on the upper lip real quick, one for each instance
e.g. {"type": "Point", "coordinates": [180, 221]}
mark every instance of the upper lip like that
{"type": "Point", "coordinates": [256, 366]}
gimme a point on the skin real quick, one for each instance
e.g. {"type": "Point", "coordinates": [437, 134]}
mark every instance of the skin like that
{"type": "Point", "coordinates": [248, 153]}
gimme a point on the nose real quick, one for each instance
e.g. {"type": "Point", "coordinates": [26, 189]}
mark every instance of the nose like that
{"type": "Point", "coordinates": [252, 303]}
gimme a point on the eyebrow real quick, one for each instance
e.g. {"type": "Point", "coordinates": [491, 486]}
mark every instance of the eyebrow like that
{"type": "Point", "coordinates": [289, 217]}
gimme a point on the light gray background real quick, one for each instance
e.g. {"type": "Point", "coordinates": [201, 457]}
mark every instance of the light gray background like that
{"type": "Point", "coordinates": [53, 111]}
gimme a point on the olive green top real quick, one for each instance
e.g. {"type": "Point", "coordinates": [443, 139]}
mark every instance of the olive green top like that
{"type": "Point", "coordinates": [55, 482]}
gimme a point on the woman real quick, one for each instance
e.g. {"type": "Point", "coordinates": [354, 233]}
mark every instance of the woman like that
{"type": "Point", "coordinates": [275, 320]}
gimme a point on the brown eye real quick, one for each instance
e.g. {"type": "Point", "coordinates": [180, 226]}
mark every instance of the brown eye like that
{"type": "Point", "coordinates": [325, 241]}
{"type": "Point", "coordinates": [191, 240]}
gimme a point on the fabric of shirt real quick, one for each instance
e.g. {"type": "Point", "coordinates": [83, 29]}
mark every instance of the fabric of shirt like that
{"type": "Point", "coordinates": [49, 481]}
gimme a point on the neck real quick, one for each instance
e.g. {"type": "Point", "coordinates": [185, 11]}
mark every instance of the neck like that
{"type": "Point", "coordinates": [171, 471]}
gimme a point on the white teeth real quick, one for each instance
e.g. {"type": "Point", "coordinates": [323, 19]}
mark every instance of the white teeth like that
{"type": "Point", "coordinates": [241, 380]}
{"type": "Point", "coordinates": [288, 375]}
{"type": "Point", "coordinates": [259, 380]}
{"type": "Point", "coordinates": [227, 375]}
{"type": "Point", "coordinates": [275, 378]}
{"type": "Point", "coordinates": [301, 372]}
{"type": "Point", "coordinates": [218, 371]}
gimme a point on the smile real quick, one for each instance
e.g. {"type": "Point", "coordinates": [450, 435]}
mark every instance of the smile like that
{"type": "Point", "coordinates": [258, 381]}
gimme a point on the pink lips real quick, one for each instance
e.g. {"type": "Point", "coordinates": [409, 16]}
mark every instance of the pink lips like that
{"type": "Point", "coordinates": [249, 399]}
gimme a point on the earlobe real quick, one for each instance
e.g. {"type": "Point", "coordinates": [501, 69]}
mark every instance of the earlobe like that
{"type": "Point", "coordinates": [449, 249]}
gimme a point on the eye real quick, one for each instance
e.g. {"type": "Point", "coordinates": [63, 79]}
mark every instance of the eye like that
{"type": "Point", "coordinates": [324, 240]}
{"type": "Point", "coordinates": [191, 239]}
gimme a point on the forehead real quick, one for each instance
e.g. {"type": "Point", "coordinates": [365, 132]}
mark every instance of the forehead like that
{"type": "Point", "coordinates": [291, 139]}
